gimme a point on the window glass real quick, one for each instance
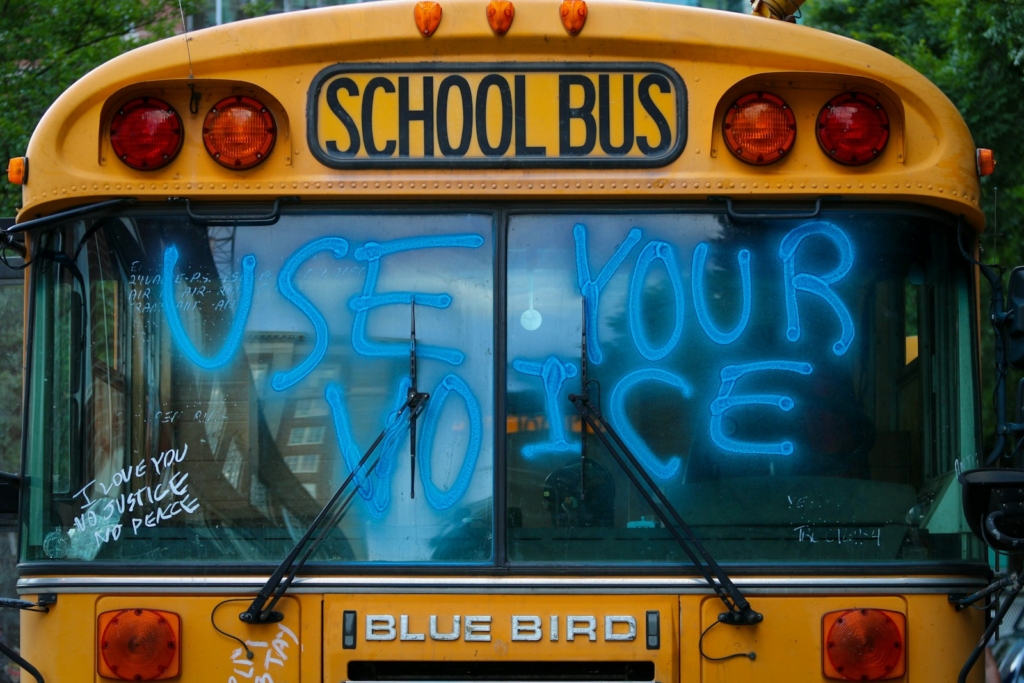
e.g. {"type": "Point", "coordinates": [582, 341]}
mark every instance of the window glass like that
{"type": "Point", "coordinates": [222, 383]}
{"type": "Point", "coordinates": [760, 373]}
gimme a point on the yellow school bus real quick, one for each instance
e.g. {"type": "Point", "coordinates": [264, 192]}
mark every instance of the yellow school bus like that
{"type": "Point", "coordinates": [293, 408]}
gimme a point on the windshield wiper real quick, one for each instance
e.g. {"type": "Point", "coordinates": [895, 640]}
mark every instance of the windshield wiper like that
{"type": "Point", "coordinates": [261, 611]}
{"type": "Point", "coordinates": [739, 611]}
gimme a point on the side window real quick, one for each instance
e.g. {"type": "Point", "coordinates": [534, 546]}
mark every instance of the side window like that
{"type": "Point", "coordinates": [12, 309]}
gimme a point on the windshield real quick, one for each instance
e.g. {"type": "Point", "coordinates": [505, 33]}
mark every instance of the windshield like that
{"type": "Point", "coordinates": [799, 389]}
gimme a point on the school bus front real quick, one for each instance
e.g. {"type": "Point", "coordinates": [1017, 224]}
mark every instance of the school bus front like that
{"type": "Point", "coordinates": [357, 354]}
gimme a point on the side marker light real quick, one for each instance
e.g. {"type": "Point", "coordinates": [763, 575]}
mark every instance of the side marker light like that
{"type": "Point", "coordinates": [17, 170]}
{"type": "Point", "coordinates": [139, 645]}
{"type": "Point", "coordinates": [864, 645]}
{"type": "Point", "coordinates": [985, 158]}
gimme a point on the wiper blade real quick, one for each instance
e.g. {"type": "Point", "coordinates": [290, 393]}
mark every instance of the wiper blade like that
{"type": "Point", "coordinates": [261, 610]}
{"type": "Point", "coordinates": [415, 400]}
{"type": "Point", "coordinates": [739, 611]}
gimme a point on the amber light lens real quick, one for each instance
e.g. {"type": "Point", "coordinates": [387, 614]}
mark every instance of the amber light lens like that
{"type": "Point", "coordinates": [239, 132]}
{"type": "Point", "coordinates": [146, 134]}
{"type": "Point", "coordinates": [759, 128]}
{"type": "Point", "coordinates": [139, 645]}
{"type": "Point", "coordinates": [853, 128]}
{"type": "Point", "coordinates": [864, 645]}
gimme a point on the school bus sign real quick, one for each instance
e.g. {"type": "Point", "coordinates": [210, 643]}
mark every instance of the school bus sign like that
{"type": "Point", "coordinates": [497, 116]}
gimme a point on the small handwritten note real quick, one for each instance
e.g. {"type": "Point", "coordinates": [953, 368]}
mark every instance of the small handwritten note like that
{"type": "Point", "coordinates": [270, 657]}
{"type": "Point", "coordinates": [104, 502]}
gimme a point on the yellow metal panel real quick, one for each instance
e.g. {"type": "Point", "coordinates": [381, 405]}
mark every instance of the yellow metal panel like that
{"type": "Point", "coordinates": [495, 612]}
{"type": "Point", "coordinates": [711, 51]}
{"type": "Point", "coordinates": [209, 655]}
{"type": "Point", "coordinates": [788, 643]}
{"type": "Point", "coordinates": [60, 643]}
{"type": "Point", "coordinates": [69, 629]}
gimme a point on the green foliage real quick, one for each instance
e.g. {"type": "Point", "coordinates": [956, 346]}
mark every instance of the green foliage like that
{"type": "Point", "coordinates": [46, 45]}
{"type": "Point", "coordinates": [974, 51]}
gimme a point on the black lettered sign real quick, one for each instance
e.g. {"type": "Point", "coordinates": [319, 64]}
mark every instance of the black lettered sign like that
{"type": "Point", "coordinates": [588, 115]}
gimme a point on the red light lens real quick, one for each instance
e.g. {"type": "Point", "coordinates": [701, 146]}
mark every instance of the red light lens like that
{"type": "Point", "coordinates": [759, 128]}
{"type": "Point", "coordinates": [139, 645]}
{"type": "Point", "coordinates": [864, 645]}
{"type": "Point", "coordinates": [853, 128]}
{"type": "Point", "coordinates": [146, 134]}
{"type": "Point", "coordinates": [239, 132]}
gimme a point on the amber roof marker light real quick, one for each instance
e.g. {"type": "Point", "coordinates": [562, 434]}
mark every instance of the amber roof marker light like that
{"type": "Point", "coordinates": [500, 14]}
{"type": "Point", "coordinates": [428, 17]}
{"type": "Point", "coordinates": [239, 132]}
{"type": "Point", "coordinates": [853, 128]}
{"type": "Point", "coordinates": [574, 15]}
{"type": "Point", "coordinates": [759, 128]}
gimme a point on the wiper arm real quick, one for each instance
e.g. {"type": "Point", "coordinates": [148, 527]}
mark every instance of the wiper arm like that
{"type": "Point", "coordinates": [739, 611]}
{"type": "Point", "coordinates": [261, 611]}
{"type": "Point", "coordinates": [76, 212]}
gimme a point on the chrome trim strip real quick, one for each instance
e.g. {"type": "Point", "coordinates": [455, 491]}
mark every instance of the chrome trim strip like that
{"type": "Point", "coordinates": [484, 585]}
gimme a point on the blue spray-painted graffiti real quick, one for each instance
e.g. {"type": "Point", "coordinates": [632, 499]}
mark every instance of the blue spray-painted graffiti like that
{"type": "Point", "coordinates": [726, 400]}
{"type": "Point", "coordinates": [590, 288]}
{"type": "Point", "coordinates": [233, 339]}
{"type": "Point", "coordinates": [378, 497]}
{"type": "Point", "coordinates": [438, 499]}
{"type": "Point", "coordinates": [553, 372]}
{"type": "Point", "coordinates": [338, 247]}
{"type": "Point", "coordinates": [654, 251]}
{"type": "Point", "coordinates": [819, 285]}
{"type": "Point", "coordinates": [334, 394]}
{"type": "Point", "coordinates": [372, 253]}
{"type": "Point", "coordinates": [617, 413]}
{"type": "Point", "coordinates": [700, 255]}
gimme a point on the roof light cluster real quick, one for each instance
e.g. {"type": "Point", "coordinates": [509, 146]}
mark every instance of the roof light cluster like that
{"type": "Point", "coordinates": [760, 128]}
{"type": "Point", "coordinates": [238, 133]}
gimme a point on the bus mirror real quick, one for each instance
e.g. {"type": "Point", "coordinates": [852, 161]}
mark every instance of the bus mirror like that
{"type": "Point", "coordinates": [993, 502]}
{"type": "Point", "coordinates": [10, 487]}
{"type": "Point", "coordinates": [1015, 324]}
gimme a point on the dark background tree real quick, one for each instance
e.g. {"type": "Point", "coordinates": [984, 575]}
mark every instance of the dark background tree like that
{"type": "Point", "coordinates": [46, 45]}
{"type": "Point", "coordinates": [974, 51]}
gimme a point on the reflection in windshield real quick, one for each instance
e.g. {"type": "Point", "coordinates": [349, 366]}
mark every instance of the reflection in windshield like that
{"type": "Point", "coordinates": [791, 385]}
{"type": "Point", "coordinates": [257, 365]}
{"type": "Point", "coordinates": [759, 372]}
